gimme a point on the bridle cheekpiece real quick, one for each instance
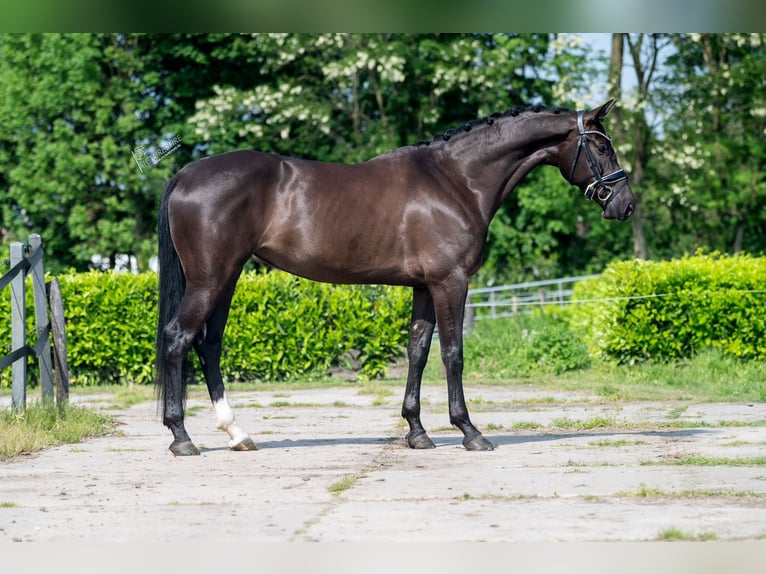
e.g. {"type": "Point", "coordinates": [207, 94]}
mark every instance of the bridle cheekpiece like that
{"type": "Point", "coordinates": [602, 185]}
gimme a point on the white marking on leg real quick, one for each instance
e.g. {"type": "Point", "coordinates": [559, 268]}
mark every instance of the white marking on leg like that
{"type": "Point", "coordinates": [225, 421]}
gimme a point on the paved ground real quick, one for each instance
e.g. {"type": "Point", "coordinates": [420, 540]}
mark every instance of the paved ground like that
{"type": "Point", "coordinates": [331, 467]}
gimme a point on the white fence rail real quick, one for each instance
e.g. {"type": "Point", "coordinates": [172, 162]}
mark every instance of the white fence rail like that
{"type": "Point", "coordinates": [510, 300]}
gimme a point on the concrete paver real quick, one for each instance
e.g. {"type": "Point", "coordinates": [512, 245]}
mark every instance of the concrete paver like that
{"type": "Point", "coordinates": [332, 467]}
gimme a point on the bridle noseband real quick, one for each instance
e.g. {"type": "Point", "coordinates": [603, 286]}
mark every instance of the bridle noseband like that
{"type": "Point", "coordinates": [601, 186]}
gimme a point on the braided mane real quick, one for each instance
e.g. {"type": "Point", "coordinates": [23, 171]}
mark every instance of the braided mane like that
{"type": "Point", "coordinates": [489, 120]}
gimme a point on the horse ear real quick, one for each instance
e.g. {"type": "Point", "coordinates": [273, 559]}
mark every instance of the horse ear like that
{"type": "Point", "coordinates": [601, 111]}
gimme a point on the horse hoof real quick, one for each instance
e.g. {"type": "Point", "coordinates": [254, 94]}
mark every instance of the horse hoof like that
{"type": "Point", "coordinates": [245, 444]}
{"type": "Point", "coordinates": [184, 448]}
{"type": "Point", "coordinates": [419, 441]}
{"type": "Point", "coordinates": [477, 442]}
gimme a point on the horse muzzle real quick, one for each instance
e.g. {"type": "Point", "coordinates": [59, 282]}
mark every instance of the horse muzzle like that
{"type": "Point", "coordinates": [618, 202]}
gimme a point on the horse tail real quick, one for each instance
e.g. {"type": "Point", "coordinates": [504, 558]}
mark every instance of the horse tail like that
{"type": "Point", "coordinates": [172, 285]}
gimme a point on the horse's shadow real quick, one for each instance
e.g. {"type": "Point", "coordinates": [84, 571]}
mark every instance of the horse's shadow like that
{"type": "Point", "coordinates": [456, 441]}
{"type": "Point", "coordinates": [499, 440]}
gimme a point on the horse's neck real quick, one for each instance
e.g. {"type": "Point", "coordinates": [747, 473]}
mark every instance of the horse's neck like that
{"type": "Point", "coordinates": [508, 153]}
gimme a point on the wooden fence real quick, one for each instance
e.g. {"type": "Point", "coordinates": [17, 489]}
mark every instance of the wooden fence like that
{"type": "Point", "coordinates": [27, 259]}
{"type": "Point", "coordinates": [510, 300]}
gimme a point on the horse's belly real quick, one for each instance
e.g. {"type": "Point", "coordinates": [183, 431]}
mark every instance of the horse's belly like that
{"type": "Point", "coordinates": [344, 264]}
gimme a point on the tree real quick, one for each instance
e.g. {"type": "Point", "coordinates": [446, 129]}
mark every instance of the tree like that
{"type": "Point", "coordinates": [351, 96]}
{"type": "Point", "coordinates": [72, 108]}
{"type": "Point", "coordinates": [348, 97]}
{"type": "Point", "coordinates": [633, 129]}
{"type": "Point", "coordinates": [78, 110]}
{"type": "Point", "coordinates": [715, 97]}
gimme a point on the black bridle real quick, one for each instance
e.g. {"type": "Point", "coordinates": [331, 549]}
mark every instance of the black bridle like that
{"type": "Point", "coordinates": [602, 185]}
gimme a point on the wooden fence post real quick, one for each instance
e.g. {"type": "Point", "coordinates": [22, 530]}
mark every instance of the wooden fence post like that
{"type": "Point", "coordinates": [42, 322]}
{"type": "Point", "coordinates": [58, 325]}
{"type": "Point", "coordinates": [18, 330]}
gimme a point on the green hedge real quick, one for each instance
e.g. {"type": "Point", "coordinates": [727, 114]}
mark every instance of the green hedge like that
{"type": "Point", "coordinates": [280, 327]}
{"type": "Point", "coordinates": [523, 346]}
{"type": "Point", "coordinates": [667, 310]}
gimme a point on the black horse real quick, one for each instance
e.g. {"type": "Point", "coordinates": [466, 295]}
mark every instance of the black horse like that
{"type": "Point", "coordinates": [416, 216]}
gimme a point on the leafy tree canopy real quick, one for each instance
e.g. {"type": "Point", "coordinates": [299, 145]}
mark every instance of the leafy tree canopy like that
{"type": "Point", "coordinates": [95, 124]}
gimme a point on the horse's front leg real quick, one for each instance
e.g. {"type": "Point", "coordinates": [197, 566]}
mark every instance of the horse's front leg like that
{"type": "Point", "coordinates": [449, 303]}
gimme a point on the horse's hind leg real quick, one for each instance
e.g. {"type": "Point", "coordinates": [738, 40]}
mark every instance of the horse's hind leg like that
{"type": "Point", "coordinates": [208, 347]}
{"type": "Point", "coordinates": [179, 335]}
{"type": "Point", "coordinates": [174, 392]}
{"type": "Point", "coordinates": [421, 332]}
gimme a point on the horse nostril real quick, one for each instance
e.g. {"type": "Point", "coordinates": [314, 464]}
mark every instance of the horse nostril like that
{"type": "Point", "coordinates": [628, 211]}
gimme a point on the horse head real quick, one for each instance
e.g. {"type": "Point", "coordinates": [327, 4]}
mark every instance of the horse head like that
{"type": "Point", "coordinates": [587, 159]}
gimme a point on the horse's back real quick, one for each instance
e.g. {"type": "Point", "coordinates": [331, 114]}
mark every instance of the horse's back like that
{"type": "Point", "coordinates": [381, 221]}
{"type": "Point", "coordinates": [217, 173]}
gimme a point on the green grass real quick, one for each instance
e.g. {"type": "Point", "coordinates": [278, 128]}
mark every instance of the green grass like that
{"type": "Point", "coordinates": [195, 410]}
{"type": "Point", "coordinates": [698, 460]}
{"type": "Point", "coordinates": [498, 352]}
{"type": "Point", "coordinates": [526, 425]}
{"type": "Point", "coordinates": [119, 396]}
{"type": "Point", "coordinates": [375, 388]}
{"type": "Point", "coordinates": [676, 535]}
{"type": "Point", "coordinates": [676, 412]}
{"type": "Point", "coordinates": [569, 424]}
{"type": "Point", "coordinates": [134, 395]}
{"type": "Point", "coordinates": [736, 443]}
{"type": "Point", "coordinates": [711, 376]}
{"type": "Point", "coordinates": [650, 492]}
{"type": "Point", "coordinates": [378, 390]}
{"type": "Point", "coordinates": [497, 497]}
{"type": "Point", "coordinates": [565, 423]}
{"type": "Point", "coordinates": [339, 487]}
{"type": "Point", "coordinates": [43, 424]}
{"type": "Point", "coordinates": [616, 443]}
{"type": "Point", "coordinates": [647, 492]}
{"type": "Point", "coordinates": [525, 346]}
{"type": "Point", "coordinates": [609, 392]}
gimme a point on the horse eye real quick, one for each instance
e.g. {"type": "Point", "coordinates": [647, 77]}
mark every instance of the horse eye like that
{"type": "Point", "coordinates": [601, 148]}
